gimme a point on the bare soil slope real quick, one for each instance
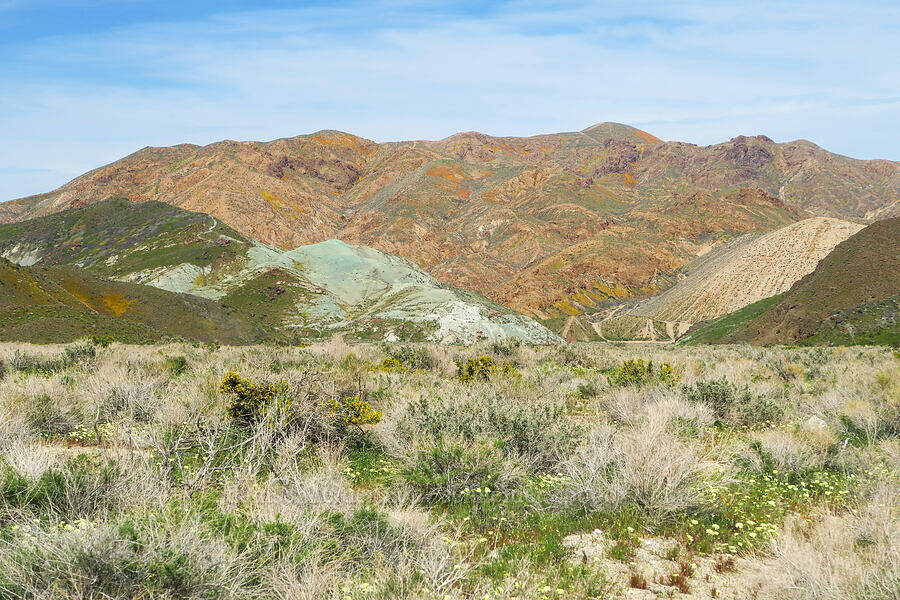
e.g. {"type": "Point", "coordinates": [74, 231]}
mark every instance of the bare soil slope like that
{"type": "Point", "coordinates": [748, 270]}
{"type": "Point", "coordinates": [851, 297]}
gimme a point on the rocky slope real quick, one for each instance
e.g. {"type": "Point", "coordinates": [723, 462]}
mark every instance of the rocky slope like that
{"type": "Point", "coordinates": [742, 272]}
{"type": "Point", "coordinates": [551, 225]}
{"type": "Point", "coordinates": [310, 291]}
{"type": "Point", "coordinates": [851, 297]}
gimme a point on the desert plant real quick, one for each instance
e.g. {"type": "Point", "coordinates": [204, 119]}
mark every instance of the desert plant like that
{"type": "Point", "coordinates": [733, 405]}
{"type": "Point", "coordinates": [480, 369]}
{"type": "Point", "coordinates": [176, 365]}
{"type": "Point", "coordinates": [102, 340]}
{"type": "Point", "coordinates": [409, 357]}
{"type": "Point", "coordinates": [646, 467]}
{"type": "Point", "coordinates": [540, 432]}
{"type": "Point", "coordinates": [251, 401]}
{"type": "Point", "coordinates": [354, 411]}
{"type": "Point", "coordinates": [636, 372]}
{"type": "Point", "coordinates": [461, 471]}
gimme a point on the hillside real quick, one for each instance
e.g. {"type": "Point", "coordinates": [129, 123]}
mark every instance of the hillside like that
{"type": "Point", "coordinates": [851, 297]}
{"type": "Point", "coordinates": [311, 291]}
{"type": "Point", "coordinates": [550, 225]}
{"type": "Point", "coordinates": [63, 303]}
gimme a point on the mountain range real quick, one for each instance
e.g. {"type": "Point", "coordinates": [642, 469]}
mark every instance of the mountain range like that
{"type": "Point", "coordinates": [562, 227]}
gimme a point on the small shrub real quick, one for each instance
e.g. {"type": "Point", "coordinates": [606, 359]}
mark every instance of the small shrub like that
{"type": "Point", "coordinates": [481, 369]}
{"type": "Point", "coordinates": [460, 471]}
{"type": "Point", "coordinates": [176, 365]}
{"type": "Point", "coordinates": [354, 411]}
{"type": "Point", "coordinates": [507, 347]}
{"type": "Point", "coordinates": [102, 340]}
{"type": "Point", "coordinates": [390, 364]}
{"type": "Point", "coordinates": [79, 352]}
{"type": "Point", "coordinates": [79, 488]}
{"type": "Point", "coordinates": [540, 432]}
{"type": "Point", "coordinates": [587, 389]}
{"type": "Point", "coordinates": [636, 372]}
{"type": "Point", "coordinates": [51, 417]}
{"type": "Point", "coordinates": [733, 405]}
{"type": "Point", "coordinates": [409, 357]}
{"type": "Point", "coordinates": [646, 467]}
{"type": "Point", "coordinates": [251, 400]}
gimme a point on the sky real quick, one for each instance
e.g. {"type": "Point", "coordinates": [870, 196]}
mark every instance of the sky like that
{"type": "Point", "coordinates": [85, 82]}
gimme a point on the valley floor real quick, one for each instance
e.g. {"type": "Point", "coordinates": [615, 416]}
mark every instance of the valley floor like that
{"type": "Point", "coordinates": [498, 471]}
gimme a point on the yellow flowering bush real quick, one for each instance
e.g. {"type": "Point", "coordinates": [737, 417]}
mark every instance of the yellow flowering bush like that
{"type": "Point", "coordinates": [637, 372]}
{"type": "Point", "coordinates": [483, 368]}
{"type": "Point", "coordinates": [252, 400]}
{"type": "Point", "coordinates": [354, 411]}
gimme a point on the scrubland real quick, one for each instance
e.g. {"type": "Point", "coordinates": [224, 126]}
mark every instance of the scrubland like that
{"type": "Point", "coordinates": [491, 472]}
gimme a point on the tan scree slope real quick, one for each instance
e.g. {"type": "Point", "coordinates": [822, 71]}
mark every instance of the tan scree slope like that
{"type": "Point", "coordinates": [749, 269]}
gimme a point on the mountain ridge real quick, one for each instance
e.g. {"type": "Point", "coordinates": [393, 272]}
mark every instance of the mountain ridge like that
{"type": "Point", "coordinates": [520, 220]}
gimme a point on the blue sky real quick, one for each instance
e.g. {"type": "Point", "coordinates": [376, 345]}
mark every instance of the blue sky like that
{"type": "Point", "coordinates": [83, 83]}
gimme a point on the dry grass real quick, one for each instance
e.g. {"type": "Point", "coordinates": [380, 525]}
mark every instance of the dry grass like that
{"type": "Point", "coordinates": [128, 462]}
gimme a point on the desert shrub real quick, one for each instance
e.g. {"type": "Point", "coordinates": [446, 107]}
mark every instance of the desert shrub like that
{"type": "Point", "coordinates": [507, 347]}
{"type": "Point", "coordinates": [637, 372]}
{"type": "Point", "coordinates": [539, 431]}
{"type": "Point", "coordinates": [784, 452]}
{"type": "Point", "coordinates": [130, 559]}
{"type": "Point", "coordinates": [480, 369]}
{"type": "Point", "coordinates": [102, 340]}
{"type": "Point", "coordinates": [79, 488]}
{"type": "Point", "coordinates": [3, 369]}
{"type": "Point", "coordinates": [52, 416]}
{"type": "Point", "coordinates": [73, 354]}
{"type": "Point", "coordinates": [587, 389]}
{"type": "Point", "coordinates": [829, 557]}
{"type": "Point", "coordinates": [483, 368]}
{"type": "Point", "coordinates": [251, 401]}
{"type": "Point", "coordinates": [460, 470]}
{"type": "Point", "coordinates": [409, 357]}
{"type": "Point", "coordinates": [79, 352]}
{"type": "Point", "coordinates": [574, 355]}
{"type": "Point", "coordinates": [176, 365]}
{"type": "Point", "coordinates": [733, 405]}
{"type": "Point", "coordinates": [354, 411]}
{"type": "Point", "coordinates": [137, 400]}
{"type": "Point", "coordinates": [646, 467]}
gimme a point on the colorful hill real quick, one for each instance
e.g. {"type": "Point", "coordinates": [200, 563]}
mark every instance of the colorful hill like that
{"type": "Point", "coordinates": [851, 297]}
{"type": "Point", "coordinates": [311, 291]}
{"type": "Point", "coordinates": [62, 303]}
{"type": "Point", "coordinates": [550, 225]}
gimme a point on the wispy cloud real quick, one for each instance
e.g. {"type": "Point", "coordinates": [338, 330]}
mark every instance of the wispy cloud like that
{"type": "Point", "coordinates": [402, 70]}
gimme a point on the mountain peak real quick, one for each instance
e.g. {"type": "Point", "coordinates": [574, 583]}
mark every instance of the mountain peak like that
{"type": "Point", "coordinates": [619, 131]}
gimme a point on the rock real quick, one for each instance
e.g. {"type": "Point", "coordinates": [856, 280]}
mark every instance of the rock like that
{"type": "Point", "coordinates": [814, 424]}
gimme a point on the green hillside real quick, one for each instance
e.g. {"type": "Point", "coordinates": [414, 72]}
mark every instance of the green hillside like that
{"type": "Point", "coordinates": [63, 303]}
